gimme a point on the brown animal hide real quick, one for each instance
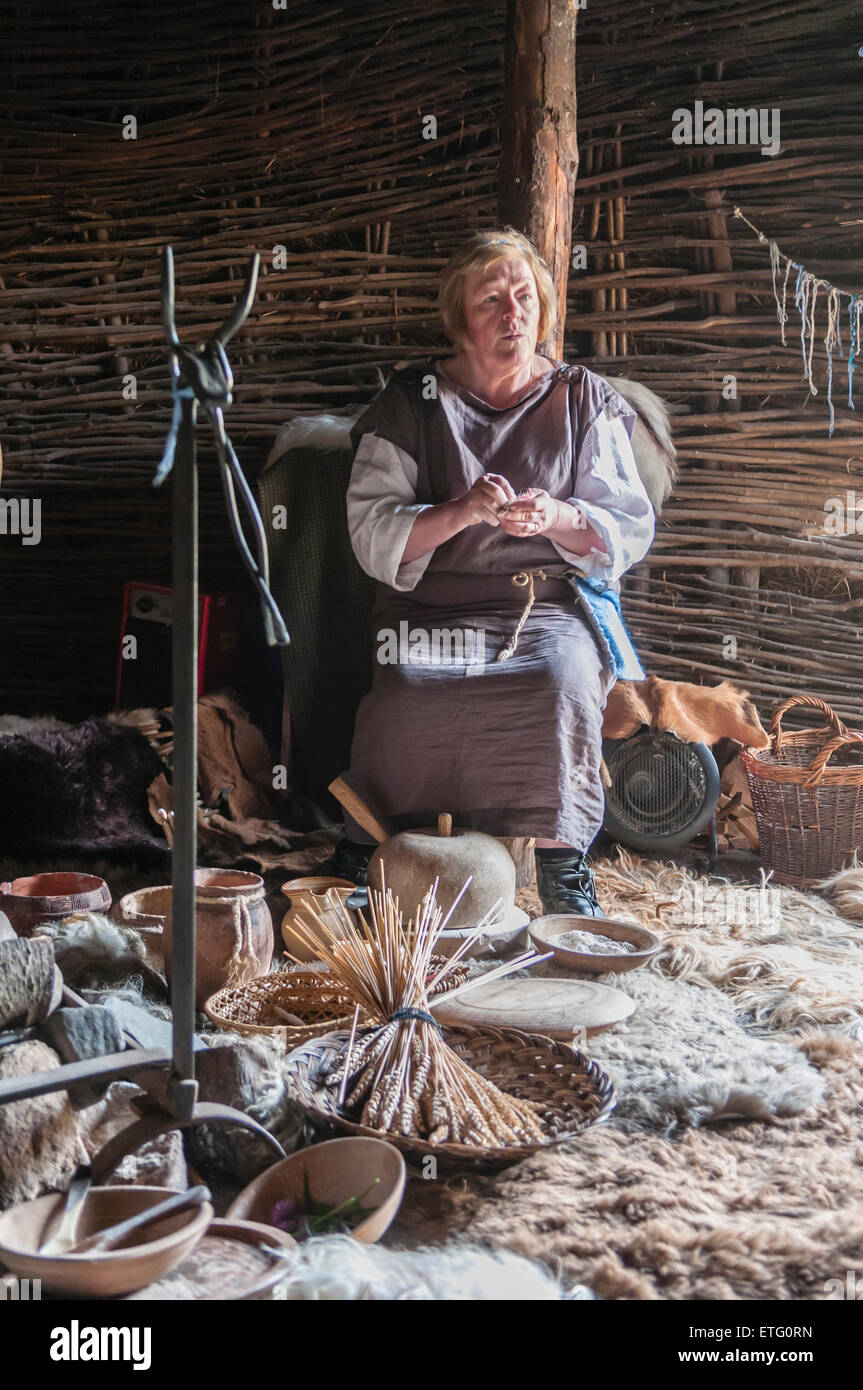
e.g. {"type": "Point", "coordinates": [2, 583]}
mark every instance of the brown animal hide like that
{"type": "Point", "coordinates": [233, 759]}
{"type": "Point", "coordinates": [695, 713]}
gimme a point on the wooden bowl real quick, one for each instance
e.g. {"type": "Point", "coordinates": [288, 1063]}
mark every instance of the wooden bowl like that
{"type": "Point", "coordinates": [337, 1169]}
{"type": "Point", "coordinates": [226, 1266]}
{"type": "Point", "coordinates": [24, 1228]}
{"type": "Point", "coordinates": [544, 932]}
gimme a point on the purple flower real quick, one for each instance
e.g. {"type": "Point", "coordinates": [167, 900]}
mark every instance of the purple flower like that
{"type": "Point", "coordinates": [284, 1212]}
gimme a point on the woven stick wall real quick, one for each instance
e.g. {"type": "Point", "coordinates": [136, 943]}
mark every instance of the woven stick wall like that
{"type": "Point", "coordinates": [304, 129]}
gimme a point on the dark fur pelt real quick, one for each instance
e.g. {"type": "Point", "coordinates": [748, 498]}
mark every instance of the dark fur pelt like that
{"type": "Point", "coordinates": [81, 791]}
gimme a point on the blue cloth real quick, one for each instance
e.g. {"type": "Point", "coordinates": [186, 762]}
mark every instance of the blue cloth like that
{"type": "Point", "coordinates": [601, 605]}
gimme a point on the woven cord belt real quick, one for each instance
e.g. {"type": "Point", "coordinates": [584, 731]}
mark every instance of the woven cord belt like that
{"type": "Point", "coordinates": [525, 579]}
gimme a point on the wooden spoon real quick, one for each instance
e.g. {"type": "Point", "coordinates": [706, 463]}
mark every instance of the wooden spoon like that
{"type": "Point", "coordinates": [63, 1238]}
{"type": "Point", "coordinates": [112, 1236]}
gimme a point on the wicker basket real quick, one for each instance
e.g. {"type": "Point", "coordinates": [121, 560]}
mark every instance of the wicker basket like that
{"type": "Point", "coordinates": [809, 814]}
{"type": "Point", "coordinates": [575, 1092]}
{"type": "Point", "coordinates": [316, 997]}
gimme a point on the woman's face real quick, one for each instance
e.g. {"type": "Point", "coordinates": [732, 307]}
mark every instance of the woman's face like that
{"type": "Point", "coordinates": [502, 312]}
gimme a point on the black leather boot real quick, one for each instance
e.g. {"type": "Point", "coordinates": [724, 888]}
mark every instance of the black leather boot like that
{"type": "Point", "coordinates": [566, 885]}
{"type": "Point", "coordinates": [349, 860]}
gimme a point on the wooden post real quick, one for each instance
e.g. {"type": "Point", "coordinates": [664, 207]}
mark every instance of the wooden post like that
{"type": "Point", "coordinates": [538, 165]}
{"type": "Point", "coordinates": [539, 154]}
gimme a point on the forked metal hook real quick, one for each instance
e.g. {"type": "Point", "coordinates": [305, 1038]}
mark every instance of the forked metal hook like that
{"type": "Point", "coordinates": [202, 376]}
{"type": "Point", "coordinates": [235, 319]}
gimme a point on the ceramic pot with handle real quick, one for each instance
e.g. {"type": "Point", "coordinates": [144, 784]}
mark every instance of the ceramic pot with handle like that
{"type": "Point", "coordinates": [234, 931]}
{"type": "Point", "coordinates": [315, 893]}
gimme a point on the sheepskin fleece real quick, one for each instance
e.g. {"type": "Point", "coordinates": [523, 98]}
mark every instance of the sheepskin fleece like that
{"type": "Point", "coordinates": [94, 952]}
{"type": "Point", "coordinates": [685, 1058]}
{"type": "Point", "coordinates": [79, 790]}
{"type": "Point", "coordinates": [766, 1209]}
{"type": "Point", "coordinates": [736, 1211]}
{"type": "Point", "coordinates": [340, 1268]}
{"type": "Point", "coordinates": [787, 960]}
{"type": "Point", "coordinates": [845, 891]}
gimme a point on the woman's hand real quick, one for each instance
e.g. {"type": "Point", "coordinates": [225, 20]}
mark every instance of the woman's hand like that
{"type": "Point", "coordinates": [485, 499]}
{"type": "Point", "coordinates": [533, 513]}
{"type": "Point", "coordinates": [439, 523]}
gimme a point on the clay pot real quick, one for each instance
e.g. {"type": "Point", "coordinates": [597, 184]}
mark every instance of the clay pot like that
{"type": "Point", "coordinates": [304, 892]}
{"type": "Point", "coordinates": [145, 911]}
{"type": "Point", "coordinates": [234, 931]}
{"type": "Point", "coordinates": [48, 897]}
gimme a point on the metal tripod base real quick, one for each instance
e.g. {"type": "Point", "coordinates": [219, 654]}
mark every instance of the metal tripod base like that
{"type": "Point", "coordinates": [157, 1121]}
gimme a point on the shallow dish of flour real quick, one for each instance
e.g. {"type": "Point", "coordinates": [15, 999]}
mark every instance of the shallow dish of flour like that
{"type": "Point", "coordinates": [595, 945]}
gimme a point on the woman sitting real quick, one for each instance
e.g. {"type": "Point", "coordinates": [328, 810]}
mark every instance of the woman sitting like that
{"type": "Point", "coordinates": [495, 497]}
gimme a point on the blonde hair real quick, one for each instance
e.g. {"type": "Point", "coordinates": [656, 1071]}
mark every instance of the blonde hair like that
{"type": "Point", "coordinates": [481, 250]}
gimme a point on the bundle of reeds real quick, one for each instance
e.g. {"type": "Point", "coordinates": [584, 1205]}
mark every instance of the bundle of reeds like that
{"type": "Point", "coordinates": [400, 1076]}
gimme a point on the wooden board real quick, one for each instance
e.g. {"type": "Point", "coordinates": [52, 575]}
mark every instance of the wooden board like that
{"type": "Point", "coordinates": [553, 1007]}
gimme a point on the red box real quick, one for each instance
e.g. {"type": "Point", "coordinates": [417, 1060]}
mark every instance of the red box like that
{"type": "Point", "coordinates": [148, 610]}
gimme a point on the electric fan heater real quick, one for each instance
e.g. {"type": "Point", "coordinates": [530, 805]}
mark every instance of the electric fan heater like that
{"type": "Point", "coordinates": [663, 792]}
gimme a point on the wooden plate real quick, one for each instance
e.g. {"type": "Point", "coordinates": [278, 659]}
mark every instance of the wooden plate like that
{"type": "Point", "coordinates": [225, 1266]}
{"type": "Point", "coordinates": [555, 1008]}
{"type": "Point", "coordinates": [544, 932]}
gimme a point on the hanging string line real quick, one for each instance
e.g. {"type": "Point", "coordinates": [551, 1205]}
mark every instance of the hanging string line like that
{"type": "Point", "coordinates": [806, 290]}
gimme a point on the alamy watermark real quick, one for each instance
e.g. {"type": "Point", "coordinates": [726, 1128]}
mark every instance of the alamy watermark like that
{"type": "Point", "coordinates": [744, 906]}
{"type": "Point", "coordinates": [14, 1290]}
{"type": "Point", "coordinates": [843, 516]}
{"type": "Point", "coordinates": [434, 646]}
{"type": "Point", "coordinates": [848, 1289]}
{"type": "Point", "coordinates": [83, 1343]}
{"type": "Point", "coordinates": [21, 516]}
{"type": "Point", "coordinates": [735, 126]}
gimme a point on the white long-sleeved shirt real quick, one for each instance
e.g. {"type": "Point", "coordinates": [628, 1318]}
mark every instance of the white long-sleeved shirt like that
{"type": "Point", "coordinates": [382, 505]}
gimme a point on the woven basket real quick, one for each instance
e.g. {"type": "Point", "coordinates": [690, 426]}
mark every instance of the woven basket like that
{"type": "Point", "coordinates": [575, 1091]}
{"type": "Point", "coordinates": [316, 997]}
{"type": "Point", "coordinates": [809, 814]}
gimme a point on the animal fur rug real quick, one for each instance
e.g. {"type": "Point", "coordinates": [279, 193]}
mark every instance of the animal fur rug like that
{"type": "Point", "coordinates": [766, 1209]}
{"type": "Point", "coordinates": [787, 959]}
{"type": "Point", "coordinates": [339, 1268]}
{"type": "Point", "coordinates": [80, 791]}
{"type": "Point", "coordinates": [685, 1058]}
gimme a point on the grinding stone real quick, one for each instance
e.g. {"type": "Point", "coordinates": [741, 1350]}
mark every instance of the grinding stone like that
{"type": "Point", "coordinates": [80, 1033]}
{"type": "Point", "coordinates": [28, 981]}
{"type": "Point", "coordinates": [413, 859]}
{"type": "Point", "coordinates": [553, 1007]}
